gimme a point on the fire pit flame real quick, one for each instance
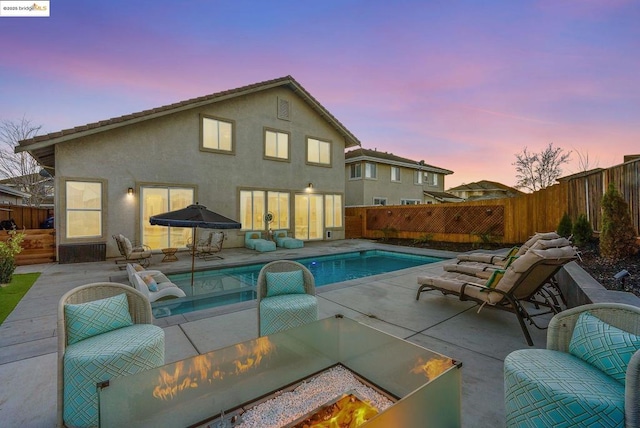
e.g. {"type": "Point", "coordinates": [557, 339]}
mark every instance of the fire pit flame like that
{"type": "Point", "coordinates": [189, 374]}
{"type": "Point", "coordinates": [433, 367]}
{"type": "Point", "coordinates": [348, 411]}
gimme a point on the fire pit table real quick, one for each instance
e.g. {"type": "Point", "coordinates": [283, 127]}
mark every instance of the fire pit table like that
{"type": "Point", "coordinates": [226, 387]}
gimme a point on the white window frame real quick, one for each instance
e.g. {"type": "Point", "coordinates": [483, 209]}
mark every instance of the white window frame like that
{"type": "Point", "coordinates": [217, 122]}
{"type": "Point", "coordinates": [432, 179]}
{"type": "Point", "coordinates": [257, 221]}
{"type": "Point", "coordinates": [417, 177]}
{"type": "Point", "coordinates": [396, 170]}
{"type": "Point", "coordinates": [370, 170]}
{"type": "Point", "coordinates": [410, 201]}
{"type": "Point", "coordinates": [355, 171]}
{"type": "Point", "coordinates": [380, 201]}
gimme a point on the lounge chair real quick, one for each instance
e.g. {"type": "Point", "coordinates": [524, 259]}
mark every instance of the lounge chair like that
{"type": "Point", "coordinates": [208, 248]}
{"type": "Point", "coordinates": [153, 284]}
{"type": "Point", "coordinates": [105, 330]}
{"type": "Point", "coordinates": [286, 294]}
{"type": "Point", "coordinates": [285, 241]}
{"type": "Point", "coordinates": [254, 241]}
{"type": "Point", "coordinates": [523, 281]}
{"type": "Point", "coordinates": [132, 254]}
{"type": "Point", "coordinates": [500, 260]}
{"type": "Point", "coordinates": [589, 375]}
{"type": "Point", "coordinates": [473, 267]}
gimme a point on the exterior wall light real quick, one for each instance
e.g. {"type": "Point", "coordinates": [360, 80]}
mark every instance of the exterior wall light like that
{"type": "Point", "coordinates": [310, 185]}
{"type": "Point", "coordinates": [130, 191]}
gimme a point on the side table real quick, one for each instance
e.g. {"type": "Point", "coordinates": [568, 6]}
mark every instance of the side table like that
{"type": "Point", "coordinates": [169, 255]}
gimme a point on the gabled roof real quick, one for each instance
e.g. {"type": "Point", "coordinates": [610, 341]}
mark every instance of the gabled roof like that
{"type": "Point", "coordinates": [360, 154]}
{"type": "Point", "coordinates": [486, 186]}
{"type": "Point", "coordinates": [443, 196]}
{"type": "Point", "coordinates": [41, 147]}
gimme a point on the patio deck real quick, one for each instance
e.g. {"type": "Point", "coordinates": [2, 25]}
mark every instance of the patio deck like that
{"type": "Point", "coordinates": [387, 302]}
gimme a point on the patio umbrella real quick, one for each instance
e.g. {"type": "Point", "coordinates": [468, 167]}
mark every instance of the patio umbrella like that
{"type": "Point", "coordinates": [194, 216]}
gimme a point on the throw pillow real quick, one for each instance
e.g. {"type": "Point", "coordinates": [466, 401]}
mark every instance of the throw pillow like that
{"type": "Point", "coordinates": [603, 346]}
{"type": "Point", "coordinates": [285, 283]}
{"type": "Point", "coordinates": [152, 285]}
{"type": "Point", "coordinates": [99, 316]}
{"type": "Point", "coordinates": [137, 267]}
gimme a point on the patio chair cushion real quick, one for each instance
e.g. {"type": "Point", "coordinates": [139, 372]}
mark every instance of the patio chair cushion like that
{"type": "Point", "coordinates": [547, 388]}
{"type": "Point", "coordinates": [291, 243]}
{"type": "Point", "coordinates": [116, 353]}
{"type": "Point", "coordinates": [279, 313]}
{"type": "Point", "coordinates": [279, 283]}
{"type": "Point", "coordinates": [96, 317]}
{"type": "Point", "coordinates": [263, 245]}
{"type": "Point", "coordinates": [603, 346]}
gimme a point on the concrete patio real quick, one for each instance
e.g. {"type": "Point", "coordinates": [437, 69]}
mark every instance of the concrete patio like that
{"type": "Point", "coordinates": [387, 302]}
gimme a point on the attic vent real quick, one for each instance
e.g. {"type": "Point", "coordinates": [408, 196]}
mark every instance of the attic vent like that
{"type": "Point", "coordinates": [283, 109]}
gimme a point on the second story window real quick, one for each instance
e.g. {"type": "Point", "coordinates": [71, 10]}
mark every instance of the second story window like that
{"type": "Point", "coordinates": [276, 144]}
{"type": "Point", "coordinates": [417, 177]}
{"type": "Point", "coordinates": [395, 173]}
{"type": "Point", "coordinates": [318, 152]}
{"type": "Point", "coordinates": [431, 178]}
{"type": "Point", "coordinates": [355, 170]}
{"type": "Point", "coordinates": [370, 170]}
{"type": "Point", "coordinates": [216, 135]}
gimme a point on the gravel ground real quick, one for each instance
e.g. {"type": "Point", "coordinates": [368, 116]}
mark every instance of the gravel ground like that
{"type": "Point", "coordinates": [600, 269]}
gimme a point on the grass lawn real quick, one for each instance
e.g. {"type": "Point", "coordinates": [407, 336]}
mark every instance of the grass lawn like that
{"type": "Point", "coordinates": [11, 294]}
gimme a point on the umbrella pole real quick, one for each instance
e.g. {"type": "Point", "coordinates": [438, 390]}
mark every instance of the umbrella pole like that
{"type": "Point", "coordinates": [193, 256]}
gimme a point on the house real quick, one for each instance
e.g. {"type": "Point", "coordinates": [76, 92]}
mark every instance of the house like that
{"type": "Point", "coordinates": [484, 189]}
{"type": "Point", "coordinates": [265, 148]}
{"type": "Point", "coordinates": [11, 196]}
{"type": "Point", "coordinates": [381, 178]}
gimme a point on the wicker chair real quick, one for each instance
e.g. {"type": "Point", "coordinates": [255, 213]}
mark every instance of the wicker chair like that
{"type": "Point", "coordinates": [582, 378]}
{"type": "Point", "coordinates": [141, 346]}
{"type": "Point", "coordinates": [283, 311]}
{"type": "Point", "coordinates": [132, 253]}
{"type": "Point", "coordinates": [208, 248]}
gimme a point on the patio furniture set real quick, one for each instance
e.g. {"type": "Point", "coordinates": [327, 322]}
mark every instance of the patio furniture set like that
{"type": "Point", "coordinates": [589, 374]}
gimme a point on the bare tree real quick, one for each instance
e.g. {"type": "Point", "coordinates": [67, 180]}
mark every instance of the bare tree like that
{"type": "Point", "coordinates": [21, 168]}
{"type": "Point", "coordinates": [584, 162]}
{"type": "Point", "coordinates": [536, 171]}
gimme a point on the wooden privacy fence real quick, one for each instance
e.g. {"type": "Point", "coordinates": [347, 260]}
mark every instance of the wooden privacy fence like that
{"type": "Point", "coordinates": [587, 189]}
{"type": "Point", "coordinates": [39, 246]}
{"type": "Point", "coordinates": [24, 217]}
{"type": "Point", "coordinates": [509, 220]}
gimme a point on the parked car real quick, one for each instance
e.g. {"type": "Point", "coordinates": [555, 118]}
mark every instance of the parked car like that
{"type": "Point", "coordinates": [47, 224]}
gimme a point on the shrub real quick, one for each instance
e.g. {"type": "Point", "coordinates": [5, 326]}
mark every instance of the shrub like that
{"type": "Point", "coordinates": [8, 252]}
{"type": "Point", "coordinates": [617, 239]}
{"type": "Point", "coordinates": [565, 226]}
{"type": "Point", "coordinates": [582, 231]}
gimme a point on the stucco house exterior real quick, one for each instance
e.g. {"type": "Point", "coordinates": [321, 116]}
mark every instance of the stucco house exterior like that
{"type": "Point", "coordinates": [380, 178]}
{"type": "Point", "coordinates": [484, 189]}
{"type": "Point", "coordinates": [268, 147]}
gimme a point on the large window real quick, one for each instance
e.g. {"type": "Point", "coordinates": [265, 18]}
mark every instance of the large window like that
{"type": "Point", "coordinates": [276, 144]}
{"type": "Point", "coordinates": [83, 209]}
{"type": "Point", "coordinates": [216, 134]}
{"type": "Point", "coordinates": [355, 170]}
{"type": "Point", "coordinates": [255, 204]}
{"type": "Point", "coordinates": [395, 173]}
{"type": "Point", "coordinates": [333, 210]}
{"type": "Point", "coordinates": [278, 206]}
{"type": "Point", "coordinates": [318, 152]}
{"type": "Point", "coordinates": [161, 199]}
{"type": "Point", "coordinates": [370, 170]}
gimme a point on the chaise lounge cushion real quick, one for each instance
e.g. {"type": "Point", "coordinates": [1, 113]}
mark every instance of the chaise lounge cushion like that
{"type": "Point", "coordinates": [96, 317]}
{"type": "Point", "coordinates": [547, 388]}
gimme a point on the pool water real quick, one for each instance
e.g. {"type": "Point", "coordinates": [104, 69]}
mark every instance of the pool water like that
{"type": "Point", "coordinates": [225, 286]}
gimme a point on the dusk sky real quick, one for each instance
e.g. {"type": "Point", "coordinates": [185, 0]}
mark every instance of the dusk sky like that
{"type": "Point", "coordinates": [462, 85]}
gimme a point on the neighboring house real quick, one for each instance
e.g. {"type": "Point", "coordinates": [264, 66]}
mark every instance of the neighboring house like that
{"type": "Point", "coordinates": [380, 178]}
{"type": "Point", "coordinates": [484, 190]}
{"type": "Point", "coordinates": [38, 188]}
{"type": "Point", "coordinates": [265, 148]}
{"type": "Point", "coordinates": [11, 196]}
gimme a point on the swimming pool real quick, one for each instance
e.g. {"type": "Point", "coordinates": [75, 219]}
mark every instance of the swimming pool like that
{"type": "Point", "coordinates": [225, 286]}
